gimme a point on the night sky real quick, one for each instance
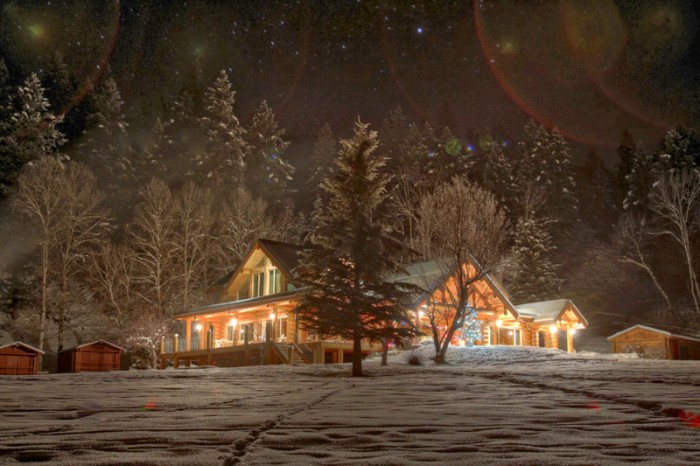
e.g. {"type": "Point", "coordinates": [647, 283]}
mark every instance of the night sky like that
{"type": "Point", "coordinates": [590, 68]}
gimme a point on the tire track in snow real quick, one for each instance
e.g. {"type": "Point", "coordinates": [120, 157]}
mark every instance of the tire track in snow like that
{"type": "Point", "coordinates": [241, 446]}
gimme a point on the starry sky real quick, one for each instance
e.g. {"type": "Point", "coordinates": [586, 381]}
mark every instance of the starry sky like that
{"type": "Point", "coordinates": [589, 68]}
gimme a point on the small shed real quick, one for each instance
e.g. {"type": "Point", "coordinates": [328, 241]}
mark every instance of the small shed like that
{"type": "Point", "coordinates": [658, 342]}
{"type": "Point", "coordinates": [19, 358]}
{"type": "Point", "coordinates": [95, 356]}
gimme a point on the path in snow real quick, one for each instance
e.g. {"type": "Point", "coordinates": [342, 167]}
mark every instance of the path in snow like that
{"type": "Point", "coordinates": [499, 405]}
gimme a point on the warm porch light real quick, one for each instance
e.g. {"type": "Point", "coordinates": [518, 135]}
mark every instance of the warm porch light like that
{"type": "Point", "coordinates": [553, 329]}
{"type": "Point", "coordinates": [572, 331]}
{"type": "Point", "coordinates": [272, 316]}
{"type": "Point", "coordinates": [233, 322]}
{"type": "Point", "coordinates": [498, 323]}
{"type": "Point", "coordinates": [198, 327]}
{"type": "Point", "coordinates": [421, 314]}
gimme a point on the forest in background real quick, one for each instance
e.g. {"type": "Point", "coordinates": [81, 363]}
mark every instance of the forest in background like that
{"type": "Point", "coordinates": [107, 228]}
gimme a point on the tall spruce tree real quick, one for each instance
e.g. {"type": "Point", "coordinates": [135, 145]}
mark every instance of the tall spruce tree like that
{"type": "Point", "coordinates": [547, 162]}
{"type": "Point", "coordinates": [28, 132]}
{"type": "Point", "coordinates": [347, 268]}
{"type": "Point", "coordinates": [534, 272]}
{"type": "Point", "coordinates": [322, 157]}
{"type": "Point", "coordinates": [268, 173]}
{"type": "Point", "coordinates": [224, 157]}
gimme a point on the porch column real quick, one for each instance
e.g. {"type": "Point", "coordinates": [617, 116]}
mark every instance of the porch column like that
{"type": "Point", "coordinates": [202, 335]}
{"type": "Point", "coordinates": [569, 339]}
{"type": "Point", "coordinates": [188, 334]}
{"type": "Point", "coordinates": [340, 356]}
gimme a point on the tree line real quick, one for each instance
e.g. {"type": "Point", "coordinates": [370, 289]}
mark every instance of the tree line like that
{"type": "Point", "coordinates": [118, 229]}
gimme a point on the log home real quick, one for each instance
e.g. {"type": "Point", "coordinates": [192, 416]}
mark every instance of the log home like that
{"type": "Point", "coordinates": [252, 319]}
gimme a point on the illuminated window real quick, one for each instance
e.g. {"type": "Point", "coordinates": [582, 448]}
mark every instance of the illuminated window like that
{"type": "Point", "coordinates": [258, 284]}
{"type": "Point", "coordinates": [274, 281]}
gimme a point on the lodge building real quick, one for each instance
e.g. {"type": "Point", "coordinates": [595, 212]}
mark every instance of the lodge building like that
{"type": "Point", "coordinates": [252, 320]}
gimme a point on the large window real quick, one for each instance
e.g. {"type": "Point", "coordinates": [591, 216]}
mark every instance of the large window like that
{"type": "Point", "coordinates": [282, 327]}
{"type": "Point", "coordinates": [274, 281]}
{"type": "Point", "coordinates": [258, 284]}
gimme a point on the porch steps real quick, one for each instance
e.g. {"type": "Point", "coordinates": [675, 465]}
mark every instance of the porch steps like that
{"type": "Point", "coordinates": [298, 357]}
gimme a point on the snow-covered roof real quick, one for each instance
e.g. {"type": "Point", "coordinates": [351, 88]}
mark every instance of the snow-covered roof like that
{"type": "Point", "coordinates": [548, 310]}
{"type": "Point", "coordinates": [656, 330]}
{"type": "Point", "coordinates": [23, 345]}
{"type": "Point", "coordinates": [95, 342]}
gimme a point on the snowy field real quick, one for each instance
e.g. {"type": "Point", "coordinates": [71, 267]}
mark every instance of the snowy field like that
{"type": "Point", "coordinates": [490, 405]}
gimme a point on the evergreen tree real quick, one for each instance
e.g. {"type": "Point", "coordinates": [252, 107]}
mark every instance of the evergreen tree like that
{"type": "Point", "coordinates": [626, 153]}
{"type": "Point", "coordinates": [639, 180]}
{"type": "Point", "coordinates": [62, 93]}
{"type": "Point", "coordinates": [596, 193]}
{"type": "Point", "coordinates": [547, 162]}
{"type": "Point", "coordinates": [156, 157]}
{"type": "Point", "coordinates": [29, 131]}
{"type": "Point", "coordinates": [534, 271]}
{"type": "Point", "coordinates": [106, 147]}
{"type": "Point", "coordinates": [226, 148]}
{"type": "Point", "coordinates": [498, 177]}
{"type": "Point", "coordinates": [322, 157]}
{"type": "Point", "coordinates": [268, 173]}
{"type": "Point", "coordinates": [347, 267]}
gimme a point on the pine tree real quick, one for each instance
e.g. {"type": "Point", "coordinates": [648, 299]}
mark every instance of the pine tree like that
{"type": "Point", "coordinates": [29, 132]}
{"type": "Point", "coordinates": [226, 148]}
{"type": "Point", "coordinates": [268, 173]}
{"type": "Point", "coordinates": [498, 177]}
{"type": "Point", "coordinates": [106, 147]}
{"type": "Point", "coordinates": [625, 159]}
{"type": "Point", "coordinates": [322, 157]}
{"type": "Point", "coordinates": [534, 272]}
{"type": "Point", "coordinates": [547, 162]}
{"type": "Point", "coordinates": [156, 158]}
{"type": "Point", "coordinates": [348, 264]}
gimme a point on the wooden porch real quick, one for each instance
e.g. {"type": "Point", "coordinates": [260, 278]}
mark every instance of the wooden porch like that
{"type": "Point", "coordinates": [268, 353]}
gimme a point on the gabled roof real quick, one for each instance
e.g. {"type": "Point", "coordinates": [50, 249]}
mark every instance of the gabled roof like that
{"type": "Point", "coordinates": [685, 333]}
{"type": "Point", "coordinates": [543, 311]}
{"type": "Point", "coordinates": [23, 345]}
{"type": "Point", "coordinates": [105, 342]}
{"type": "Point", "coordinates": [431, 274]}
{"type": "Point", "coordinates": [285, 256]}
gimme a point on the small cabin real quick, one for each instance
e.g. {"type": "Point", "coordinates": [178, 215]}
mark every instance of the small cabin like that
{"type": "Point", "coordinates": [656, 343]}
{"type": "Point", "coordinates": [18, 358]}
{"type": "Point", "coordinates": [95, 356]}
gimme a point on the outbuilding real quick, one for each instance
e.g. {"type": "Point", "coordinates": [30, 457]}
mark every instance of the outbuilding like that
{"type": "Point", "coordinates": [658, 342]}
{"type": "Point", "coordinates": [19, 358]}
{"type": "Point", "coordinates": [95, 356]}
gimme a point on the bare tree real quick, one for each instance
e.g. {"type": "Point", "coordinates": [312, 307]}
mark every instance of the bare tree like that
{"type": "Point", "coordinates": [82, 223]}
{"type": "Point", "coordinates": [244, 219]}
{"type": "Point", "coordinates": [634, 235]}
{"type": "Point", "coordinates": [36, 199]}
{"type": "Point", "coordinates": [466, 238]}
{"type": "Point", "coordinates": [195, 218]}
{"type": "Point", "coordinates": [146, 331]}
{"type": "Point", "coordinates": [111, 267]}
{"type": "Point", "coordinates": [152, 236]}
{"type": "Point", "coordinates": [676, 201]}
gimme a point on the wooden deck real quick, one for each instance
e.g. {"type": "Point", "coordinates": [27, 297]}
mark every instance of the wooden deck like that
{"type": "Point", "coordinates": [257, 354]}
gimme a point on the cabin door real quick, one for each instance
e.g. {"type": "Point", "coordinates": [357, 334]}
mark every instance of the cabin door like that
{"type": "Point", "coordinates": [517, 337]}
{"type": "Point", "coordinates": [541, 339]}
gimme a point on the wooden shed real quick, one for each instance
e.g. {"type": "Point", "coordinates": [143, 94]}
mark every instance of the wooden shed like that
{"type": "Point", "coordinates": [658, 342]}
{"type": "Point", "coordinates": [19, 358]}
{"type": "Point", "coordinates": [95, 356]}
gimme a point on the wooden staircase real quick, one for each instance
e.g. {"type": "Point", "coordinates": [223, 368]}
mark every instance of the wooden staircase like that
{"type": "Point", "coordinates": [298, 357]}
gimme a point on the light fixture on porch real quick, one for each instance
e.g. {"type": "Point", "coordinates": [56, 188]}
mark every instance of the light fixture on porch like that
{"type": "Point", "coordinates": [421, 314]}
{"type": "Point", "coordinates": [553, 329]}
{"type": "Point", "coordinates": [233, 322]}
{"type": "Point", "coordinates": [498, 323]}
{"type": "Point", "coordinates": [572, 331]}
{"type": "Point", "coordinates": [272, 315]}
{"type": "Point", "coordinates": [198, 327]}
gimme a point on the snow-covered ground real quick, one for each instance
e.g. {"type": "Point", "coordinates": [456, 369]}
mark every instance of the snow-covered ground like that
{"type": "Point", "coordinates": [490, 405]}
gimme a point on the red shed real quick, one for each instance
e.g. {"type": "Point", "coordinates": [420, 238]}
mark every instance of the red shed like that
{"type": "Point", "coordinates": [19, 358]}
{"type": "Point", "coordinates": [98, 355]}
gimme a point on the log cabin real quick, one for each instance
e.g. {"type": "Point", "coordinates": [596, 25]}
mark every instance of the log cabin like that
{"type": "Point", "coordinates": [252, 318]}
{"type": "Point", "coordinates": [657, 342]}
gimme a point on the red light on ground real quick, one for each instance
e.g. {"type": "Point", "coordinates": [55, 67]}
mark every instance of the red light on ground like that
{"type": "Point", "coordinates": [150, 406]}
{"type": "Point", "coordinates": [593, 405]}
{"type": "Point", "coordinates": [690, 419]}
